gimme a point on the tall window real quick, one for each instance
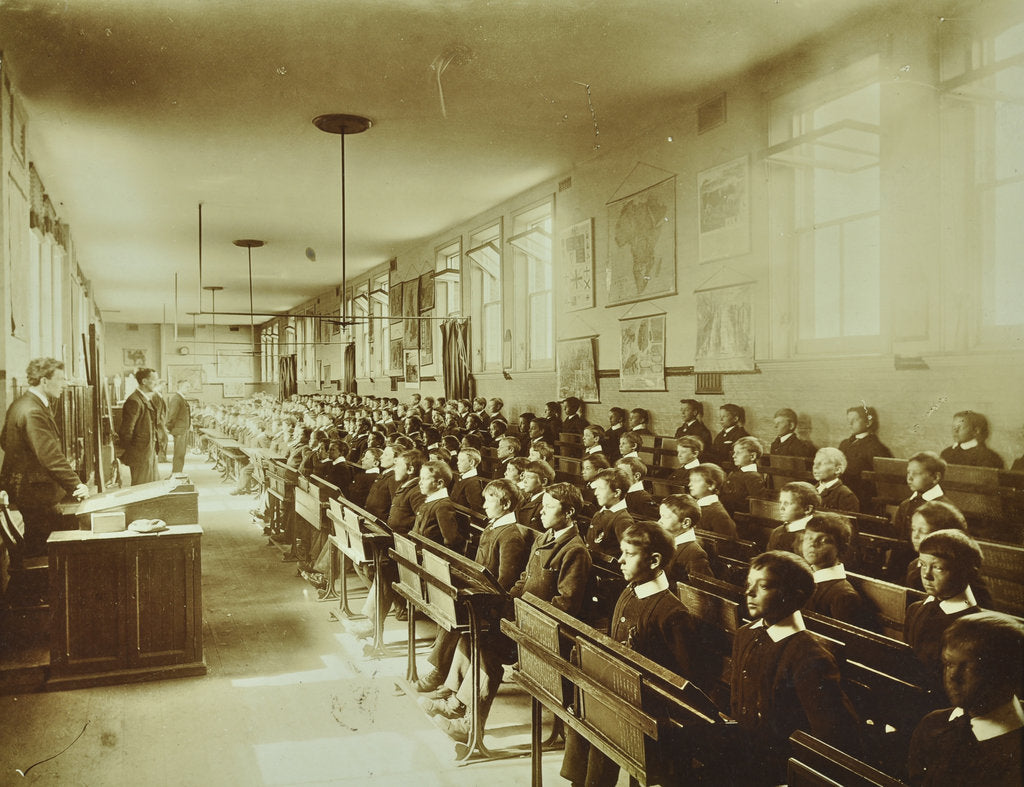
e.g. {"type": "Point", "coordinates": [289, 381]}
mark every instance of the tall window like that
{"type": "Point", "coordinates": [825, 154]}
{"type": "Point", "coordinates": [447, 274]}
{"type": "Point", "coordinates": [531, 244]}
{"type": "Point", "coordinates": [485, 286]}
{"type": "Point", "coordinates": [269, 352]}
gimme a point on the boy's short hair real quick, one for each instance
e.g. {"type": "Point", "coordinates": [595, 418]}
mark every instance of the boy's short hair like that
{"type": "Point", "coordinates": [792, 575]}
{"type": "Point", "coordinates": [995, 640]}
{"type": "Point", "coordinates": [438, 470]}
{"type": "Point", "coordinates": [598, 461]}
{"type": "Point", "coordinates": [402, 443]}
{"type": "Point", "coordinates": [519, 463]}
{"type": "Point", "coordinates": [567, 495]}
{"type": "Point", "coordinates": [958, 549]}
{"type": "Point", "coordinates": [497, 425]}
{"type": "Point", "coordinates": [930, 461]}
{"type": "Point", "coordinates": [977, 422]}
{"type": "Point", "coordinates": [595, 429]}
{"type": "Point", "coordinates": [641, 413]}
{"type": "Point", "coordinates": [542, 470]}
{"type": "Point", "coordinates": [472, 454]}
{"type": "Point", "coordinates": [683, 506]}
{"type": "Point", "coordinates": [940, 515]}
{"type": "Point", "coordinates": [635, 466]}
{"type": "Point", "coordinates": [497, 402]}
{"type": "Point", "coordinates": [473, 441]}
{"type": "Point", "coordinates": [616, 480]}
{"type": "Point", "coordinates": [511, 441]}
{"type": "Point", "coordinates": [712, 474]}
{"type": "Point", "coordinates": [619, 411]}
{"type": "Point", "coordinates": [869, 414]}
{"type": "Point", "coordinates": [787, 413]}
{"type": "Point", "coordinates": [507, 492]}
{"type": "Point", "coordinates": [698, 407]}
{"type": "Point", "coordinates": [374, 452]}
{"type": "Point", "coordinates": [573, 404]}
{"type": "Point", "coordinates": [413, 459]}
{"type": "Point", "coordinates": [751, 443]}
{"type": "Point", "coordinates": [833, 456]}
{"type": "Point", "coordinates": [805, 494]}
{"type": "Point", "coordinates": [649, 537]}
{"type": "Point", "coordinates": [735, 410]}
{"type": "Point", "coordinates": [691, 442]}
{"type": "Point", "coordinates": [632, 439]}
{"type": "Point", "coordinates": [834, 526]}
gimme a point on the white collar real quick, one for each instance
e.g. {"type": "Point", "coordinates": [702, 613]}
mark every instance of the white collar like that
{"type": "Point", "coordinates": [594, 449]}
{"type": "Point", "coordinates": [649, 588]}
{"type": "Point", "coordinates": [966, 446]}
{"type": "Point", "coordinates": [40, 396]}
{"type": "Point", "coordinates": [440, 494]}
{"type": "Point", "coordinates": [468, 474]}
{"type": "Point", "coordinates": [620, 506]}
{"type": "Point", "coordinates": [537, 496]}
{"type": "Point", "coordinates": [861, 435]}
{"type": "Point", "coordinates": [692, 464]}
{"type": "Point", "coordinates": [372, 471]}
{"type": "Point", "coordinates": [957, 603]}
{"type": "Point", "coordinates": [562, 532]}
{"type": "Point", "coordinates": [636, 486]}
{"type": "Point", "coordinates": [786, 627]}
{"type": "Point", "coordinates": [786, 436]}
{"type": "Point", "coordinates": [637, 428]}
{"type": "Point", "coordinates": [690, 423]}
{"type": "Point", "coordinates": [727, 429]}
{"type": "Point", "coordinates": [829, 484]}
{"type": "Point", "coordinates": [1006, 718]}
{"type": "Point", "coordinates": [707, 500]}
{"type": "Point", "coordinates": [686, 537]}
{"type": "Point", "coordinates": [505, 519]}
{"type": "Point", "coordinates": [832, 572]}
{"type": "Point", "coordinates": [751, 468]}
{"type": "Point", "coordinates": [631, 453]}
{"type": "Point", "coordinates": [799, 524]}
{"type": "Point", "coordinates": [930, 494]}
{"type": "Point", "coordinates": [339, 461]}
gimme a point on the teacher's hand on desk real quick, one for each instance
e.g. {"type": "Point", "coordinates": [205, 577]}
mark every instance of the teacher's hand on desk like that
{"type": "Point", "coordinates": [81, 492]}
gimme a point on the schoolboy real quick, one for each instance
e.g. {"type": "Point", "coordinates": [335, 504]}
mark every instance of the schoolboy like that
{"type": "Point", "coordinates": [370, 462]}
{"type": "Point", "coordinates": [639, 423]}
{"type": "Point", "coordinates": [745, 481]}
{"type": "Point", "coordinates": [828, 468]}
{"type": "Point", "coordinates": [616, 427]}
{"type": "Point", "coordinates": [705, 480]}
{"type": "Point", "coordinates": [649, 619]}
{"type": "Point", "coordinates": [786, 442]}
{"type": "Point", "coordinates": [629, 445]}
{"type": "Point", "coordinates": [558, 571]}
{"type": "Point", "coordinates": [378, 497]}
{"type": "Point", "coordinates": [638, 500]}
{"type": "Point", "coordinates": [783, 679]}
{"type": "Point", "coordinates": [533, 479]}
{"type": "Point", "coordinates": [950, 561]}
{"type": "Point", "coordinates": [574, 421]}
{"type": "Point", "coordinates": [970, 431]}
{"type": "Point", "coordinates": [508, 447]}
{"type": "Point", "coordinates": [514, 467]}
{"type": "Point", "coordinates": [692, 412]}
{"type": "Point", "coordinates": [612, 519]}
{"type": "Point", "coordinates": [679, 516]}
{"type": "Point", "coordinates": [688, 450]}
{"type": "Point", "coordinates": [924, 472]}
{"type": "Point", "coordinates": [825, 543]}
{"type": "Point", "coordinates": [541, 451]}
{"type": "Point", "coordinates": [731, 418]}
{"type": "Point", "coordinates": [980, 740]}
{"type": "Point", "coordinates": [592, 439]}
{"type": "Point", "coordinates": [798, 500]}
{"type": "Point", "coordinates": [468, 489]}
{"type": "Point", "coordinates": [589, 468]}
{"type": "Point", "coordinates": [436, 518]}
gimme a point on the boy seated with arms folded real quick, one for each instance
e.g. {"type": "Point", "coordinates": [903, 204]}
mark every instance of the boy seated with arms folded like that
{"type": "Point", "coordinates": [950, 561]}
{"type": "Point", "coordinates": [612, 519]}
{"type": "Point", "coordinates": [649, 619]}
{"type": "Point", "coordinates": [705, 481]}
{"type": "Point", "coordinates": [533, 479]}
{"type": "Point", "coordinates": [783, 679]}
{"type": "Point", "coordinates": [979, 741]}
{"type": "Point", "coordinates": [436, 517]}
{"type": "Point", "coordinates": [786, 442]}
{"type": "Point", "coordinates": [468, 489]}
{"type": "Point", "coordinates": [924, 472]}
{"type": "Point", "coordinates": [745, 481]}
{"type": "Point", "coordinates": [688, 450]}
{"type": "Point", "coordinates": [680, 515]}
{"type": "Point", "coordinates": [638, 500]}
{"type": "Point", "coordinates": [593, 440]}
{"type": "Point", "coordinates": [589, 468]}
{"type": "Point", "coordinates": [798, 500]}
{"type": "Point", "coordinates": [557, 571]}
{"type": "Point", "coordinates": [502, 551]}
{"type": "Point", "coordinates": [828, 468]}
{"type": "Point", "coordinates": [730, 418]}
{"type": "Point", "coordinates": [825, 543]}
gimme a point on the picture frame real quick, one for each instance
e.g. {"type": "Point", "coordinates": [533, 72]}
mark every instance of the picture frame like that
{"type": "Point", "coordinates": [396, 358]}
{"type": "Point", "coordinates": [135, 357]}
{"type": "Point", "coordinates": [412, 369]}
{"type": "Point", "coordinates": [723, 210]}
{"type": "Point", "coordinates": [427, 291]}
{"type": "Point", "coordinates": [577, 246]}
{"type": "Point", "coordinates": [231, 364]}
{"type": "Point", "coordinates": [642, 245]}
{"type": "Point", "coordinates": [642, 358]}
{"type": "Point", "coordinates": [426, 340]}
{"type": "Point", "coordinates": [576, 373]}
{"type": "Point", "coordinates": [395, 302]}
{"type": "Point", "coordinates": [410, 311]}
{"type": "Point", "coordinates": [234, 390]}
{"type": "Point", "coordinates": [191, 372]}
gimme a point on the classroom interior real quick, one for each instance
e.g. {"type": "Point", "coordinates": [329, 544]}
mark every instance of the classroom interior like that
{"type": "Point", "coordinates": [801, 207]}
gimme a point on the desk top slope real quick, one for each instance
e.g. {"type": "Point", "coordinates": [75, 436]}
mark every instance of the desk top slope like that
{"type": "Point", "coordinates": [175, 501]}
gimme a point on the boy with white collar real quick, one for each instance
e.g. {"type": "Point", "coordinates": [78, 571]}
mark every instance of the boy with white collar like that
{"type": "Point", "coordinates": [704, 481]}
{"type": "Point", "coordinates": [435, 518]}
{"type": "Point", "coordinates": [924, 472]}
{"type": "Point", "coordinates": [638, 500]}
{"type": "Point", "coordinates": [950, 560]}
{"type": "Point", "coordinates": [468, 489]}
{"type": "Point", "coordinates": [783, 679]}
{"type": "Point", "coordinates": [688, 450]}
{"type": "Point", "coordinates": [829, 465]}
{"type": "Point", "coordinates": [825, 543]}
{"type": "Point", "coordinates": [648, 618]}
{"type": "Point", "coordinates": [798, 500]}
{"type": "Point", "coordinates": [980, 740]}
{"type": "Point", "coordinates": [612, 519]}
{"type": "Point", "coordinates": [745, 481]}
{"type": "Point", "coordinates": [593, 439]}
{"type": "Point", "coordinates": [679, 516]}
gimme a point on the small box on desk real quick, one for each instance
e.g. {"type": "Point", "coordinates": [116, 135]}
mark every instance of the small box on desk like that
{"type": "Point", "coordinates": [108, 522]}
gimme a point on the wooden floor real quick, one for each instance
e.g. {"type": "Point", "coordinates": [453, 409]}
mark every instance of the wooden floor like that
{"type": "Point", "coordinates": [289, 697]}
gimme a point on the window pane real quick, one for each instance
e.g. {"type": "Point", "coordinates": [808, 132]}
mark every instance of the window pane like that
{"type": "Point", "coordinates": [540, 327]}
{"type": "Point", "coordinates": [826, 273]}
{"type": "Point", "coordinates": [1007, 279]}
{"type": "Point", "coordinates": [861, 277]}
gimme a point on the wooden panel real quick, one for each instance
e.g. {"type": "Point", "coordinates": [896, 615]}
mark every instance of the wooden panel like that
{"type": "Point", "coordinates": [544, 630]}
{"type": "Point", "coordinates": [438, 567]}
{"type": "Point", "coordinates": [624, 682]}
{"type": "Point", "coordinates": [307, 506]}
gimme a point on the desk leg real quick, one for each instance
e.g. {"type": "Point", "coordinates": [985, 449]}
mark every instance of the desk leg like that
{"type": "Point", "coordinates": [377, 588]}
{"type": "Point", "coordinates": [536, 743]}
{"type": "Point", "coordinates": [343, 606]}
{"type": "Point", "coordinates": [410, 674]}
{"type": "Point", "coordinates": [476, 731]}
{"type": "Point", "coordinates": [329, 593]}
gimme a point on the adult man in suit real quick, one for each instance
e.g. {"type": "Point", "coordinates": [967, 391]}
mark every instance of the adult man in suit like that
{"type": "Point", "coordinates": [35, 473]}
{"type": "Point", "coordinates": [179, 422]}
{"type": "Point", "coordinates": [137, 433]}
{"type": "Point", "coordinates": [160, 407]}
{"type": "Point", "coordinates": [693, 425]}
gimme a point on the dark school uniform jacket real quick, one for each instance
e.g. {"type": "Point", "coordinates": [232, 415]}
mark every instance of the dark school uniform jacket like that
{"type": "Point", "coordinates": [740, 486]}
{"type": "Point", "coordinates": [720, 451]}
{"type": "Point", "coordinates": [436, 520]}
{"type": "Point", "coordinates": [860, 453]}
{"type": "Point", "coordinates": [945, 752]}
{"type": "Point", "coordinates": [502, 551]}
{"type": "Point", "coordinates": [838, 497]}
{"type": "Point", "coordinates": [641, 505]}
{"type": "Point", "coordinates": [656, 626]}
{"type": "Point", "coordinates": [35, 468]}
{"type": "Point", "coordinates": [378, 498]}
{"type": "Point", "coordinates": [528, 513]}
{"type": "Point", "coordinates": [557, 571]}
{"type": "Point", "coordinates": [715, 518]}
{"type": "Point", "coordinates": [976, 456]}
{"type": "Point", "coordinates": [695, 429]}
{"type": "Point", "coordinates": [406, 501]}
{"type": "Point", "coordinates": [792, 446]}
{"type": "Point", "coordinates": [923, 628]}
{"type": "Point", "coordinates": [606, 529]}
{"type": "Point", "coordinates": [469, 492]}
{"type": "Point", "coordinates": [688, 560]}
{"type": "Point", "coordinates": [837, 598]}
{"type": "Point", "coordinates": [575, 423]}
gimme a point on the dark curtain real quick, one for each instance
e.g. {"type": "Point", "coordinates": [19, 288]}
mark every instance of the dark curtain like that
{"type": "Point", "coordinates": [349, 381]}
{"type": "Point", "coordinates": [286, 374]}
{"type": "Point", "coordinates": [458, 382]}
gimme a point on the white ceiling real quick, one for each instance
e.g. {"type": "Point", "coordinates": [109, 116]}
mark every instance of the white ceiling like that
{"type": "Point", "coordinates": [141, 109]}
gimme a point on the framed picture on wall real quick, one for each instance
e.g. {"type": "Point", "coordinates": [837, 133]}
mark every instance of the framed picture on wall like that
{"type": "Point", "coordinates": [231, 364]}
{"type": "Point", "coordinates": [135, 357]}
{"type": "Point", "coordinates": [642, 356]}
{"type": "Point", "coordinates": [234, 390]}
{"type": "Point", "coordinates": [410, 310]}
{"type": "Point", "coordinates": [426, 287]}
{"type": "Point", "coordinates": [395, 301]}
{"type": "Point", "coordinates": [192, 372]}
{"type": "Point", "coordinates": [397, 359]}
{"type": "Point", "coordinates": [642, 245]}
{"type": "Point", "coordinates": [577, 371]}
{"type": "Point", "coordinates": [577, 244]}
{"type": "Point", "coordinates": [426, 340]}
{"type": "Point", "coordinates": [723, 205]}
{"type": "Point", "coordinates": [412, 369]}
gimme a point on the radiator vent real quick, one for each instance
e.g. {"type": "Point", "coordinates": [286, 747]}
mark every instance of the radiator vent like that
{"type": "Point", "coordinates": [708, 383]}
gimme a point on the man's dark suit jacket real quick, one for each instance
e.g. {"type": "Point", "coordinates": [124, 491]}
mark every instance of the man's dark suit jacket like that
{"type": "Point", "coordinates": [35, 468]}
{"type": "Point", "coordinates": [137, 432]}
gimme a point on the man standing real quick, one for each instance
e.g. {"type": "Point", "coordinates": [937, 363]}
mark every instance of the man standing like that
{"type": "Point", "coordinates": [35, 473]}
{"type": "Point", "coordinates": [160, 407]}
{"type": "Point", "coordinates": [179, 422]}
{"type": "Point", "coordinates": [137, 433]}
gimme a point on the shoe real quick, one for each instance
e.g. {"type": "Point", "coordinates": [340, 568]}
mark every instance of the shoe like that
{"type": "Point", "coordinates": [442, 693]}
{"type": "Point", "coordinates": [430, 681]}
{"type": "Point", "coordinates": [456, 729]}
{"type": "Point", "coordinates": [402, 613]}
{"type": "Point", "coordinates": [450, 708]}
